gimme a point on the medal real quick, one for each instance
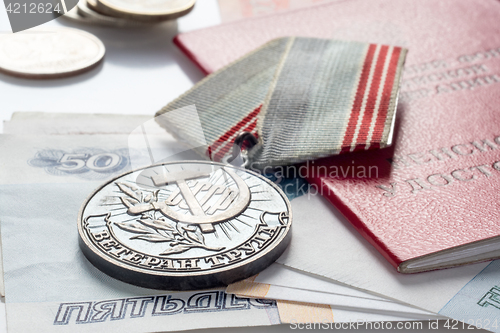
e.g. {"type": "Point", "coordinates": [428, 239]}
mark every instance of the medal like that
{"type": "Point", "coordinates": [185, 225]}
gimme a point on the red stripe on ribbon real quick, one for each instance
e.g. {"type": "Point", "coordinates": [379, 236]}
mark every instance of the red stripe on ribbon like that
{"type": "Point", "coordinates": [229, 145]}
{"type": "Point", "coordinates": [226, 139]}
{"type": "Point", "coordinates": [372, 97]}
{"type": "Point", "coordinates": [386, 99]}
{"type": "Point", "coordinates": [358, 99]}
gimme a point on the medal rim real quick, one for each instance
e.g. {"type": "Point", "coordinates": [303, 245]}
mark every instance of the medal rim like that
{"type": "Point", "coordinates": [108, 265]}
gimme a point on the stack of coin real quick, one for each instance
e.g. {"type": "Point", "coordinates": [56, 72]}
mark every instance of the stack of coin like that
{"type": "Point", "coordinates": [128, 13]}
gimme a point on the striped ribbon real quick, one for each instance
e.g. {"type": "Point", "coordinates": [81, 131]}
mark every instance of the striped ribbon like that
{"type": "Point", "coordinates": [302, 98]}
{"type": "Point", "coordinates": [373, 100]}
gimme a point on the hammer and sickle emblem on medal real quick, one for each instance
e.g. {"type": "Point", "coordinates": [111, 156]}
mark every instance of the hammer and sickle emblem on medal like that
{"type": "Point", "coordinates": [204, 213]}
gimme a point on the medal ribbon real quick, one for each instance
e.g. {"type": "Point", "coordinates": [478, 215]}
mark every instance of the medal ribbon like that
{"type": "Point", "coordinates": [302, 98]}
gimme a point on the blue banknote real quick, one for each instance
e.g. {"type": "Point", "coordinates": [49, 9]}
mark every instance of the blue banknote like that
{"type": "Point", "coordinates": [477, 303]}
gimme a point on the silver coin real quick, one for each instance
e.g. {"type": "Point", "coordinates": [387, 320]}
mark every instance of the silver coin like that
{"type": "Point", "coordinates": [145, 10]}
{"type": "Point", "coordinates": [185, 225]}
{"type": "Point", "coordinates": [73, 15]}
{"type": "Point", "coordinates": [51, 53]}
{"type": "Point", "coordinates": [86, 9]}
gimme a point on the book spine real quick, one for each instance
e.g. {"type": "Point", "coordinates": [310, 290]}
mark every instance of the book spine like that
{"type": "Point", "coordinates": [198, 62]}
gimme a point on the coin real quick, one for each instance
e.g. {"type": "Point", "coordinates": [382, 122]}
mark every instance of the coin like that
{"type": "Point", "coordinates": [40, 54]}
{"type": "Point", "coordinates": [86, 9]}
{"type": "Point", "coordinates": [145, 10]}
{"type": "Point", "coordinates": [185, 225]}
{"type": "Point", "coordinates": [74, 16]}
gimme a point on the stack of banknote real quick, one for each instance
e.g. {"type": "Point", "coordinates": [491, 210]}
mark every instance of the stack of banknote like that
{"type": "Point", "coordinates": [49, 284]}
{"type": "Point", "coordinates": [328, 275]}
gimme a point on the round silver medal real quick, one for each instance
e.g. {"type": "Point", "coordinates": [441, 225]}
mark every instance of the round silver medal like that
{"type": "Point", "coordinates": [185, 225]}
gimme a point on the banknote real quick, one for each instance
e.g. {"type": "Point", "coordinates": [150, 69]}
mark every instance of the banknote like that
{"type": "Point", "coordinates": [47, 277]}
{"type": "Point", "coordinates": [48, 282]}
{"type": "Point", "coordinates": [33, 167]}
{"type": "Point", "coordinates": [298, 288]}
{"type": "Point", "coordinates": [56, 282]}
{"type": "Point", "coordinates": [477, 303]}
{"type": "Point", "coordinates": [46, 166]}
{"type": "Point", "coordinates": [284, 276]}
{"type": "Point", "coordinates": [469, 295]}
{"type": "Point", "coordinates": [336, 302]}
{"type": "Point", "coordinates": [48, 123]}
{"type": "Point", "coordinates": [292, 312]}
{"type": "Point", "coordinates": [331, 248]}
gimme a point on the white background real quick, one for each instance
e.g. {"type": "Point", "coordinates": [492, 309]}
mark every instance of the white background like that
{"type": "Point", "coordinates": [141, 72]}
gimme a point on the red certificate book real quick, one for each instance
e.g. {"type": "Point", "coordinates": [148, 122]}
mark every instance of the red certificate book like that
{"type": "Point", "coordinates": [432, 200]}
